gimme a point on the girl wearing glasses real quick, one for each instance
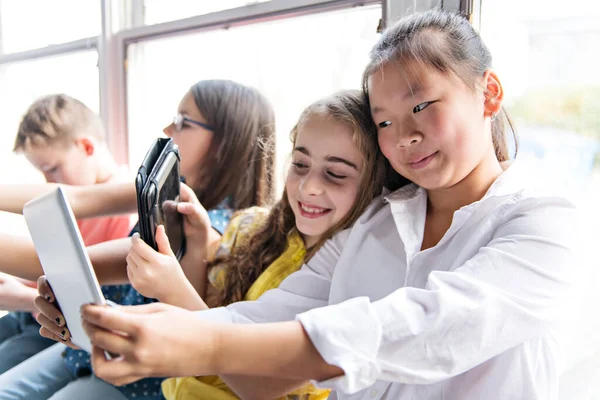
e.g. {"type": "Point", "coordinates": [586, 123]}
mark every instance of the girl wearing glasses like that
{"type": "Point", "coordinates": [219, 122]}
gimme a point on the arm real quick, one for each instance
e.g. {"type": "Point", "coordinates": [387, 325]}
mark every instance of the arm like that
{"type": "Point", "coordinates": [202, 240]}
{"type": "Point", "coordinates": [291, 293]}
{"type": "Point", "coordinates": [158, 274]}
{"type": "Point", "coordinates": [256, 385]}
{"type": "Point", "coordinates": [20, 259]}
{"type": "Point", "coordinates": [292, 351]}
{"type": "Point", "coordinates": [301, 291]}
{"type": "Point", "coordinates": [505, 295]}
{"type": "Point", "coordinates": [86, 201]}
{"type": "Point", "coordinates": [508, 293]}
{"type": "Point", "coordinates": [109, 261]}
{"type": "Point", "coordinates": [16, 296]}
{"type": "Point", "coordinates": [511, 291]}
{"type": "Point", "coordinates": [25, 282]}
{"type": "Point", "coordinates": [194, 262]}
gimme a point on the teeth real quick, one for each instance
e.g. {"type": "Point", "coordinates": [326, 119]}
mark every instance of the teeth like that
{"type": "Point", "coordinates": [311, 210]}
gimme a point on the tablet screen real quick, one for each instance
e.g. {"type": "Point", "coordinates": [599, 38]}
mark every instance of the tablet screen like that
{"type": "Point", "coordinates": [167, 215]}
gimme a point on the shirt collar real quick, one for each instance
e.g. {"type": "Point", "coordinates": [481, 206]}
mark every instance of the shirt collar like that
{"type": "Point", "coordinates": [509, 182]}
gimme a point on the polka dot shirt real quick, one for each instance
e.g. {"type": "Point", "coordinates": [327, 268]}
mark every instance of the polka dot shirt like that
{"type": "Point", "coordinates": [78, 361]}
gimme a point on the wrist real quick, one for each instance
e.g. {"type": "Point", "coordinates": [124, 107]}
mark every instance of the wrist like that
{"type": "Point", "coordinates": [27, 300]}
{"type": "Point", "coordinates": [199, 360]}
{"type": "Point", "coordinates": [171, 295]}
{"type": "Point", "coordinates": [184, 296]}
{"type": "Point", "coordinates": [218, 350]}
{"type": "Point", "coordinates": [196, 254]}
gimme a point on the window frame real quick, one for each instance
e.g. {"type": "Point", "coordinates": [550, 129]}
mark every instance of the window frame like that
{"type": "Point", "coordinates": [122, 25]}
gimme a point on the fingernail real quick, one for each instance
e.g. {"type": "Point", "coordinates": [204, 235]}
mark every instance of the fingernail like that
{"type": "Point", "coordinates": [57, 320]}
{"type": "Point", "coordinates": [62, 334]}
{"type": "Point", "coordinates": [49, 298]}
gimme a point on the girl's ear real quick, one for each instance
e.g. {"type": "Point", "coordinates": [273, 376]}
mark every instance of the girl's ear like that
{"type": "Point", "coordinates": [493, 93]}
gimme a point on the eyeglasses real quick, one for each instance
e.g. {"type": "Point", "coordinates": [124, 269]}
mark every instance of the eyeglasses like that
{"type": "Point", "coordinates": [179, 119]}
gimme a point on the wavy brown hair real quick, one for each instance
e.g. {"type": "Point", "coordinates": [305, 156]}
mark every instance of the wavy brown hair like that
{"type": "Point", "coordinates": [248, 261]}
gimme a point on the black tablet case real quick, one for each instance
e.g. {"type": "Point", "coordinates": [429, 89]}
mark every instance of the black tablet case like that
{"type": "Point", "coordinates": [147, 198]}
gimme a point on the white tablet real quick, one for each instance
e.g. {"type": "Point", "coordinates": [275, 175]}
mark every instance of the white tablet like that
{"type": "Point", "coordinates": [64, 259]}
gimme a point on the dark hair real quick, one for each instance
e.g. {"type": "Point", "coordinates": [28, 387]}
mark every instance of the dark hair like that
{"type": "Point", "coordinates": [241, 157]}
{"type": "Point", "coordinates": [447, 42]}
{"type": "Point", "coordinates": [54, 120]}
{"type": "Point", "coordinates": [246, 263]}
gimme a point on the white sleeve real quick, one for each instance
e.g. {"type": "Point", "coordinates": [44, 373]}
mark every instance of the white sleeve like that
{"type": "Point", "coordinates": [303, 290]}
{"type": "Point", "coordinates": [508, 293]}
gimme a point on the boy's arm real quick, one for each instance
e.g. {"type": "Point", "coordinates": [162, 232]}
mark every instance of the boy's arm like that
{"type": "Point", "coordinates": [109, 260]}
{"type": "Point", "coordinates": [103, 199]}
{"type": "Point", "coordinates": [86, 201]}
{"type": "Point", "coordinates": [14, 196]}
{"type": "Point", "coordinates": [19, 259]}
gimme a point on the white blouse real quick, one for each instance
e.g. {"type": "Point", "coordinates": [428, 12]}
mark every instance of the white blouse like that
{"type": "Point", "coordinates": [475, 317]}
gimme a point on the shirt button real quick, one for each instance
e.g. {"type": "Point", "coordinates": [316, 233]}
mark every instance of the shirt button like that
{"type": "Point", "coordinates": [373, 393]}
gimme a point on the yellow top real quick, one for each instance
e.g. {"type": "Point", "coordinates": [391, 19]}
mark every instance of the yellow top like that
{"type": "Point", "coordinates": [238, 231]}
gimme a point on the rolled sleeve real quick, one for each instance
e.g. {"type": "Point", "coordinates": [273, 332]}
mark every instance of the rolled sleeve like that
{"type": "Point", "coordinates": [347, 335]}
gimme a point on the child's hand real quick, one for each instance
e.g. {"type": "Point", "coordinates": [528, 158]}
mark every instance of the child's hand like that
{"type": "Point", "coordinates": [53, 322]}
{"type": "Point", "coordinates": [196, 223]}
{"type": "Point", "coordinates": [15, 295]}
{"type": "Point", "coordinates": [153, 340]}
{"type": "Point", "coordinates": [155, 274]}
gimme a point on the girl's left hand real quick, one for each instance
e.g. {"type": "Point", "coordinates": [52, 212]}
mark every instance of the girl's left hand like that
{"type": "Point", "coordinates": [153, 340]}
{"type": "Point", "coordinates": [155, 274]}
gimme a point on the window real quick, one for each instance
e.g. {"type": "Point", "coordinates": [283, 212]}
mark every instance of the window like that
{"type": "Point", "coordinates": [288, 62]}
{"type": "Point", "coordinates": [545, 51]}
{"type": "Point", "coordinates": [157, 11]}
{"type": "Point", "coordinates": [26, 25]}
{"type": "Point", "coordinates": [22, 83]}
{"type": "Point", "coordinates": [545, 55]}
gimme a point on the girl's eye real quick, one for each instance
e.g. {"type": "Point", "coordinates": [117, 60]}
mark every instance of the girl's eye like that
{"type": "Point", "coordinates": [422, 106]}
{"type": "Point", "coordinates": [299, 165]}
{"type": "Point", "coordinates": [336, 176]}
{"type": "Point", "coordinates": [384, 124]}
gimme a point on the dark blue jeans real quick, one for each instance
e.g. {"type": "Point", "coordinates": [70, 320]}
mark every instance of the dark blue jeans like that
{"type": "Point", "coordinates": [19, 339]}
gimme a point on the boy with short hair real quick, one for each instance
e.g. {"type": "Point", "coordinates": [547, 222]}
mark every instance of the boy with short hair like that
{"type": "Point", "coordinates": [66, 141]}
